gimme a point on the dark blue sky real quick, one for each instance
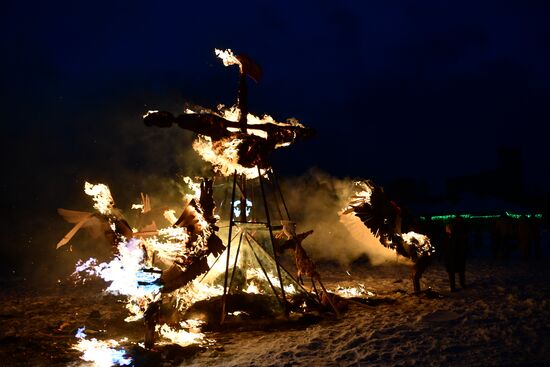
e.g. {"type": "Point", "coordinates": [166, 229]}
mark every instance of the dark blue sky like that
{"type": "Point", "coordinates": [419, 89]}
{"type": "Point", "coordinates": [425, 89]}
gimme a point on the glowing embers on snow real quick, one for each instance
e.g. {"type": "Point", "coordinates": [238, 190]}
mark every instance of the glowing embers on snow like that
{"type": "Point", "coordinates": [188, 332]}
{"type": "Point", "coordinates": [351, 292]}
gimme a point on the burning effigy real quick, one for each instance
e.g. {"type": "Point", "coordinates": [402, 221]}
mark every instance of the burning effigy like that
{"type": "Point", "coordinates": [383, 218]}
{"type": "Point", "coordinates": [232, 139]}
{"type": "Point", "coordinates": [182, 277]}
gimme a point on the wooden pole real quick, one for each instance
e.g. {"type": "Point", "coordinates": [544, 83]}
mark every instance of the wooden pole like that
{"type": "Point", "coordinates": [224, 297]}
{"type": "Point", "coordinates": [268, 219]}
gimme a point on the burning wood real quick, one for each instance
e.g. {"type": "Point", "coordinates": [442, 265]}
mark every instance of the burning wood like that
{"type": "Point", "coordinates": [233, 139]}
{"type": "Point", "coordinates": [219, 126]}
{"type": "Point", "coordinates": [149, 262]}
{"type": "Point", "coordinates": [383, 217]}
{"type": "Point", "coordinates": [108, 223]}
{"type": "Point", "coordinates": [200, 223]}
{"type": "Point", "coordinates": [304, 265]}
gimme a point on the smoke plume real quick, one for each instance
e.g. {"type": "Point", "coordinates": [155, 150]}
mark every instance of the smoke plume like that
{"type": "Point", "coordinates": [315, 201]}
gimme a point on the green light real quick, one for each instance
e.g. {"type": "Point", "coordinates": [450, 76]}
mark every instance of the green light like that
{"type": "Point", "coordinates": [513, 215]}
{"type": "Point", "coordinates": [485, 216]}
{"type": "Point", "coordinates": [450, 217]}
{"type": "Point", "coordinates": [443, 217]}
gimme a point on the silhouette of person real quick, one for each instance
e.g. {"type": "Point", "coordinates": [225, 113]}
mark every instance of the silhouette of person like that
{"type": "Point", "coordinates": [454, 251]}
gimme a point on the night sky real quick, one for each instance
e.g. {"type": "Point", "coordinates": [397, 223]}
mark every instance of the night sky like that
{"type": "Point", "coordinates": [404, 89]}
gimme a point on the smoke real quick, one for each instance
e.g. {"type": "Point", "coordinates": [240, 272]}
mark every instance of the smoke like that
{"type": "Point", "coordinates": [112, 146]}
{"type": "Point", "coordinates": [99, 138]}
{"type": "Point", "coordinates": [315, 201]}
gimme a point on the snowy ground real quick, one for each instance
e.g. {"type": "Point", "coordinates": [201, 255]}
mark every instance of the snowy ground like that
{"type": "Point", "coordinates": [501, 319]}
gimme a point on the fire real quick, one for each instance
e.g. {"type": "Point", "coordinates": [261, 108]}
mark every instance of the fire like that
{"type": "Point", "coordinates": [103, 353]}
{"type": "Point", "coordinates": [228, 57]}
{"type": "Point", "coordinates": [166, 246]}
{"type": "Point", "coordinates": [126, 276]}
{"type": "Point", "coordinates": [255, 273]}
{"type": "Point", "coordinates": [150, 262]}
{"type": "Point", "coordinates": [362, 195]}
{"type": "Point", "coordinates": [136, 268]}
{"type": "Point", "coordinates": [364, 192]}
{"type": "Point", "coordinates": [195, 188]}
{"type": "Point", "coordinates": [350, 292]}
{"type": "Point", "coordinates": [187, 334]}
{"type": "Point", "coordinates": [194, 292]}
{"type": "Point", "coordinates": [223, 155]}
{"type": "Point", "coordinates": [131, 272]}
{"type": "Point", "coordinates": [101, 195]}
{"type": "Point", "coordinates": [149, 113]}
{"type": "Point", "coordinates": [170, 216]}
{"type": "Point", "coordinates": [420, 241]}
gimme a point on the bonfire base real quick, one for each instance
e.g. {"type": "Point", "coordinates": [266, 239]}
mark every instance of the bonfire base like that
{"type": "Point", "coordinates": [247, 311]}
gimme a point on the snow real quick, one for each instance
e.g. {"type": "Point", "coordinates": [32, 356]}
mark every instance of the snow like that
{"type": "Point", "coordinates": [501, 318]}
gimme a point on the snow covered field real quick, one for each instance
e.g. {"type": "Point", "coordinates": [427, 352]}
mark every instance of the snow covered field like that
{"type": "Point", "coordinates": [501, 319]}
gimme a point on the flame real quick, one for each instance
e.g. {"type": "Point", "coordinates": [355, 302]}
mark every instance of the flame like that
{"type": "Point", "coordinates": [232, 114]}
{"type": "Point", "coordinates": [252, 288]}
{"type": "Point", "coordinates": [87, 267]}
{"type": "Point", "coordinates": [101, 195]}
{"type": "Point", "coordinates": [189, 333]}
{"type": "Point", "coordinates": [102, 353]}
{"type": "Point", "coordinates": [223, 155]}
{"type": "Point", "coordinates": [194, 292]}
{"type": "Point", "coordinates": [167, 246]}
{"type": "Point", "coordinates": [228, 57]}
{"type": "Point", "coordinates": [420, 241]}
{"type": "Point", "coordinates": [195, 188]}
{"type": "Point", "coordinates": [361, 196]}
{"type": "Point", "coordinates": [412, 239]}
{"type": "Point", "coordinates": [350, 292]}
{"type": "Point", "coordinates": [126, 277]}
{"type": "Point", "coordinates": [170, 216]}
{"type": "Point", "coordinates": [128, 272]}
{"type": "Point", "coordinates": [149, 113]}
{"type": "Point", "coordinates": [255, 273]}
{"type": "Point", "coordinates": [203, 289]}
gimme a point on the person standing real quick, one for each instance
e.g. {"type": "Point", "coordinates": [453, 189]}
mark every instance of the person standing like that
{"type": "Point", "coordinates": [455, 248]}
